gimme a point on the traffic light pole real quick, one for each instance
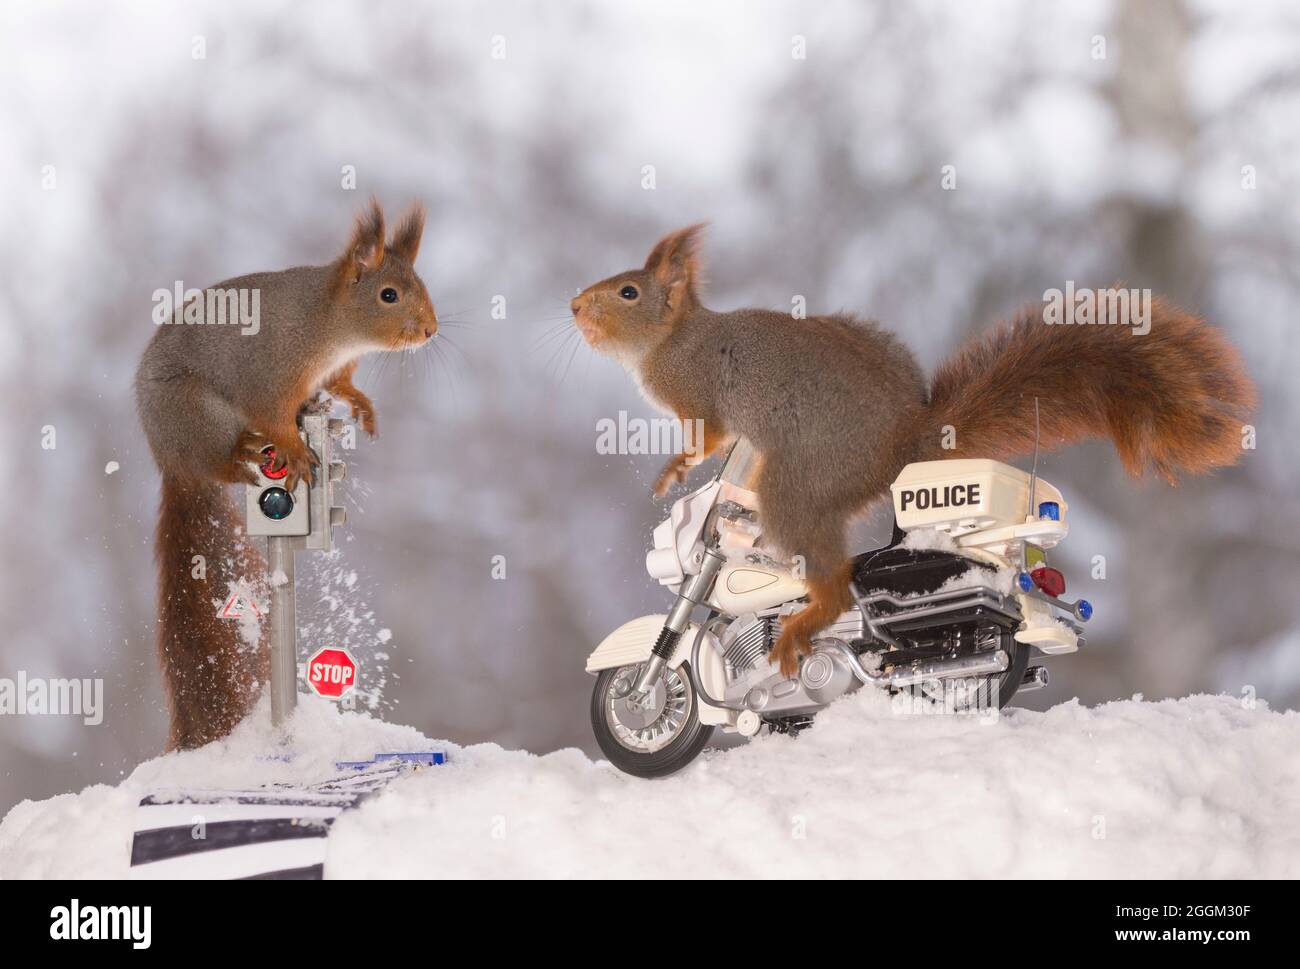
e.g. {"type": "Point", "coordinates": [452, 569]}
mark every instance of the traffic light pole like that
{"type": "Point", "coordinates": [283, 632]}
{"type": "Point", "coordinates": [304, 520]}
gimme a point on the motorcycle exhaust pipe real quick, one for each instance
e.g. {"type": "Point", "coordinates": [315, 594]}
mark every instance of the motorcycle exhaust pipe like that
{"type": "Point", "coordinates": [984, 664]}
{"type": "Point", "coordinates": [1035, 679]}
{"type": "Point", "coordinates": [949, 669]}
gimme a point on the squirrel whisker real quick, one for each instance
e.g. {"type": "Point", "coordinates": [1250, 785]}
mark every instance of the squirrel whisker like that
{"type": "Point", "coordinates": [553, 365]}
{"type": "Point", "coordinates": [554, 331]}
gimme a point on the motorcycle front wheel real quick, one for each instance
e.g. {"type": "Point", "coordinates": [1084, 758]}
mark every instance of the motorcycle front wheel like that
{"type": "Point", "coordinates": [650, 739]}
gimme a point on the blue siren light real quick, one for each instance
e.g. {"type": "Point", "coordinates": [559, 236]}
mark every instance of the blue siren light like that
{"type": "Point", "coordinates": [1083, 609]}
{"type": "Point", "coordinates": [1025, 581]}
{"type": "Point", "coordinates": [1049, 509]}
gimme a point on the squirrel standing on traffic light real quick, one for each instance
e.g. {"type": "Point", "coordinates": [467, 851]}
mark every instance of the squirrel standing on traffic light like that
{"type": "Point", "coordinates": [213, 399]}
{"type": "Point", "coordinates": [836, 406]}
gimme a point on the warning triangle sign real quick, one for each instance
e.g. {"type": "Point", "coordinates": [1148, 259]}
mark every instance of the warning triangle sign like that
{"type": "Point", "coordinates": [234, 608]}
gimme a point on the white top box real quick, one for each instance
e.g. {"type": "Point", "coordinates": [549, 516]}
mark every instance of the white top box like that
{"type": "Point", "coordinates": [964, 496]}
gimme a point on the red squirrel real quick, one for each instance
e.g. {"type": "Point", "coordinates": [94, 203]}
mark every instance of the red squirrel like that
{"type": "Point", "coordinates": [836, 406]}
{"type": "Point", "coordinates": [212, 399]}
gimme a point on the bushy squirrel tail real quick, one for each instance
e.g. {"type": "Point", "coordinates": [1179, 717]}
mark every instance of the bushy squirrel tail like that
{"type": "Point", "coordinates": [1173, 399]}
{"type": "Point", "coordinates": [211, 666]}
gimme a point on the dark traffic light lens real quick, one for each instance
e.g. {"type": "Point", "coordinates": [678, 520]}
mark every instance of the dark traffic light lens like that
{"type": "Point", "coordinates": [276, 503]}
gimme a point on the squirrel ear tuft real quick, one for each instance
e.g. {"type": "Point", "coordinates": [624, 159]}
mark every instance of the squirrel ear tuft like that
{"type": "Point", "coordinates": [365, 252]}
{"type": "Point", "coordinates": [676, 264]}
{"type": "Point", "coordinates": [406, 240]}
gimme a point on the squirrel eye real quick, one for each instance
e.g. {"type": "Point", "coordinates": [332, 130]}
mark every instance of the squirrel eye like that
{"type": "Point", "coordinates": [388, 294]}
{"type": "Point", "coordinates": [629, 292]}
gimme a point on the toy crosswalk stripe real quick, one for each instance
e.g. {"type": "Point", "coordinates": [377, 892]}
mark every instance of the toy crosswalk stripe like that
{"type": "Point", "coordinates": [157, 844]}
{"type": "Point", "coordinates": [309, 873]}
{"type": "Point", "coordinates": [274, 832]}
{"type": "Point", "coordinates": [244, 861]}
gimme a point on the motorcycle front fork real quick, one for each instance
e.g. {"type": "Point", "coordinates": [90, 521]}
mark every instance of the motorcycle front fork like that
{"type": "Point", "coordinates": [694, 591]}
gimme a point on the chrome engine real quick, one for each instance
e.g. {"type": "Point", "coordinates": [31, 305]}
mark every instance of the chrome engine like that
{"type": "Point", "coordinates": [890, 641]}
{"type": "Point", "coordinates": [754, 684]}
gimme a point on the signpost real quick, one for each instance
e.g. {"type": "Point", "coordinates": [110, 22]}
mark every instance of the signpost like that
{"type": "Point", "coordinates": [283, 631]}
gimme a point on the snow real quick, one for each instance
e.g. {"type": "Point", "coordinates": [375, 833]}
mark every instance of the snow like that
{"type": "Point", "coordinates": [931, 539]}
{"type": "Point", "coordinates": [1204, 786]}
{"type": "Point", "coordinates": [927, 540]}
{"type": "Point", "coordinates": [1043, 620]}
{"type": "Point", "coordinates": [1001, 580]}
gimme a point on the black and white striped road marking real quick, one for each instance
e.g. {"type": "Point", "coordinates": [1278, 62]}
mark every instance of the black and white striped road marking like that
{"type": "Point", "coordinates": [273, 832]}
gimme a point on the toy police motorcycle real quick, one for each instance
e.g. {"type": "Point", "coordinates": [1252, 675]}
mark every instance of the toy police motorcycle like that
{"type": "Point", "coordinates": [956, 609]}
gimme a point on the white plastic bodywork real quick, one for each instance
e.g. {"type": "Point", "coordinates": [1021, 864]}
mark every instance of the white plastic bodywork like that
{"type": "Point", "coordinates": [678, 550]}
{"type": "Point", "coordinates": [632, 642]}
{"type": "Point", "coordinates": [1053, 640]}
{"type": "Point", "coordinates": [751, 586]}
{"type": "Point", "coordinates": [1042, 629]}
{"type": "Point", "coordinates": [1044, 533]}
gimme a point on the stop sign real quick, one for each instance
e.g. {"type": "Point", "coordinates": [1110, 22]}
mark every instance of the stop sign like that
{"type": "Point", "coordinates": [332, 671]}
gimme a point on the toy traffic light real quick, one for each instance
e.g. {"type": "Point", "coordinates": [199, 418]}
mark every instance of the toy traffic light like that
{"type": "Point", "coordinates": [303, 519]}
{"type": "Point", "coordinates": [308, 512]}
{"type": "Point", "coordinates": [271, 509]}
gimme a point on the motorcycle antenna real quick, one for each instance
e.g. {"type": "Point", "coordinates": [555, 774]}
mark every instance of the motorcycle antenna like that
{"type": "Point", "coordinates": [1033, 474]}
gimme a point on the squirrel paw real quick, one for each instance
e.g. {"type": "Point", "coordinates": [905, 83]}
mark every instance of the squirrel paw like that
{"type": "Point", "coordinates": [787, 650]}
{"type": "Point", "coordinates": [247, 452]}
{"type": "Point", "coordinates": [363, 412]}
{"type": "Point", "coordinates": [298, 459]}
{"type": "Point", "coordinates": [271, 456]}
{"type": "Point", "coordinates": [361, 406]}
{"type": "Point", "coordinates": [675, 473]}
{"type": "Point", "coordinates": [249, 448]}
{"type": "Point", "coordinates": [275, 458]}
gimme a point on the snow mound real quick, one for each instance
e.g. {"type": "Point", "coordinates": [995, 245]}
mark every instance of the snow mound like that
{"type": "Point", "coordinates": [1205, 786]}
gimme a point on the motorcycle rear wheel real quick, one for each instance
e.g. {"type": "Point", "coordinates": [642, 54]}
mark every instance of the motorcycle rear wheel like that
{"type": "Point", "coordinates": [654, 742]}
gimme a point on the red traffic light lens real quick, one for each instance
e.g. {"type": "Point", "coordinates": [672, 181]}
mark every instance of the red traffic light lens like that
{"type": "Point", "coordinates": [1050, 581]}
{"type": "Point", "coordinates": [269, 463]}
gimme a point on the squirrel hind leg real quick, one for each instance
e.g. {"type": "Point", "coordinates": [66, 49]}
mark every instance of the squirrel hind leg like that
{"type": "Point", "coordinates": [828, 596]}
{"type": "Point", "coordinates": [813, 532]}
